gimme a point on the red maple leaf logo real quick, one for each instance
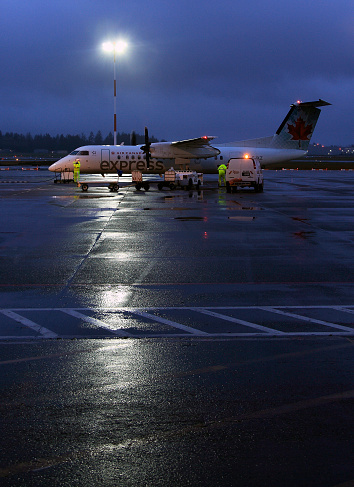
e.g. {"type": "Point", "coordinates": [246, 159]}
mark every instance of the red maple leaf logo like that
{"type": "Point", "coordinates": [300, 131]}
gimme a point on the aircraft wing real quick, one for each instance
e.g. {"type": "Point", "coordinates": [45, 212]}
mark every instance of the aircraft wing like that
{"type": "Point", "coordinates": [192, 148]}
{"type": "Point", "coordinates": [192, 143]}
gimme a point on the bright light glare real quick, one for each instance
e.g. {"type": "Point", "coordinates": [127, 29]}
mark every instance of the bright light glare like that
{"type": "Point", "coordinates": [246, 156]}
{"type": "Point", "coordinates": [118, 46]}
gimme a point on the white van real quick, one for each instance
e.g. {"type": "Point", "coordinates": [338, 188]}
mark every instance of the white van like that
{"type": "Point", "coordinates": [242, 172]}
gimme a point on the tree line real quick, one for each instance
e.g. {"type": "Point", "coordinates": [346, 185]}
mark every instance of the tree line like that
{"type": "Point", "coordinates": [11, 141]}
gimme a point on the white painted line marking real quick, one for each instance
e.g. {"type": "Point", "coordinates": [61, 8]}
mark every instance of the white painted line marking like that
{"type": "Point", "coordinates": [188, 331]}
{"type": "Point", "coordinates": [126, 308]}
{"type": "Point", "coordinates": [236, 320]}
{"type": "Point", "coordinates": [309, 320]}
{"type": "Point", "coordinates": [96, 322]}
{"type": "Point", "coordinates": [193, 331]}
{"type": "Point", "coordinates": [344, 309]}
{"type": "Point", "coordinates": [258, 335]}
{"type": "Point", "coordinates": [20, 337]}
{"type": "Point", "coordinates": [30, 324]}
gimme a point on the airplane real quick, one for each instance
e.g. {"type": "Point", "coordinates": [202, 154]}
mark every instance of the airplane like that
{"type": "Point", "coordinates": [290, 141]}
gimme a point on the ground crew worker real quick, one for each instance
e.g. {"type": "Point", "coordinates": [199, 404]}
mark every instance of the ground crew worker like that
{"type": "Point", "coordinates": [222, 171]}
{"type": "Point", "coordinates": [76, 171]}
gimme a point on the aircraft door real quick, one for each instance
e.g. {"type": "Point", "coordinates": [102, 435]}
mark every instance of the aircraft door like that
{"type": "Point", "coordinates": [105, 155]}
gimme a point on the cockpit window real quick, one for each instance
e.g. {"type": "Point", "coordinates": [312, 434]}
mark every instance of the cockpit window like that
{"type": "Point", "coordinates": [79, 153]}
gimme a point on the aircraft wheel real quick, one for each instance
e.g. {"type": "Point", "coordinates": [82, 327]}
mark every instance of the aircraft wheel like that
{"type": "Point", "coordinates": [115, 187]}
{"type": "Point", "coordinates": [159, 186]}
{"type": "Point", "coordinates": [138, 186]}
{"type": "Point", "coordinates": [172, 186]}
{"type": "Point", "coordinates": [84, 187]}
{"type": "Point", "coordinates": [146, 186]}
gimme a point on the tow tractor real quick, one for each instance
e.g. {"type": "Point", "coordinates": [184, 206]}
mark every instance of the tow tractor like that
{"type": "Point", "coordinates": [183, 179]}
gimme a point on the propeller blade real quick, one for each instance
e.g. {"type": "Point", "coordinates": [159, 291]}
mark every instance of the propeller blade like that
{"type": "Point", "coordinates": [147, 148]}
{"type": "Point", "coordinates": [133, 138]}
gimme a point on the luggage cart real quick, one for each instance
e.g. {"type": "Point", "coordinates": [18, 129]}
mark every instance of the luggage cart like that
{"type": "Point", "coordinates": [183, 179]}
{"type": "Point", "coordinates": [137, 178]}
{"type": "Point", "coordinates": [63, 177]}
{"type": "Point", "coordinates": [113, 186]}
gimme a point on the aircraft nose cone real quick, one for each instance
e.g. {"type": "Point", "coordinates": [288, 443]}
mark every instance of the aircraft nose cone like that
{"type": "Point", "coordinates": [53, 167]}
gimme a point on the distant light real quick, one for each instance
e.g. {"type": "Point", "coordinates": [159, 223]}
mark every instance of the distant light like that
{"type": "Point", "coordinates": [246, 156]}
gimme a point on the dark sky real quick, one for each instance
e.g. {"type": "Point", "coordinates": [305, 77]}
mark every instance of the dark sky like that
{"type": "Point", "coordinates": [228, 68]}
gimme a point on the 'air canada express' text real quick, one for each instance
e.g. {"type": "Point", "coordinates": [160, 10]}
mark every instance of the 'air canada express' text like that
{"type": "Point", "coordinates": [108, 166]}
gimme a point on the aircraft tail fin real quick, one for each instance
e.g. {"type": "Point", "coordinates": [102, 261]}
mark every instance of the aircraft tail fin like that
{"type": "Point", "coordinates": [297, 127]}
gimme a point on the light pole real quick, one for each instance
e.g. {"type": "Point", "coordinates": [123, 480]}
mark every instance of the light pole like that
{"type": "Point", "coordinates": [117, 47]}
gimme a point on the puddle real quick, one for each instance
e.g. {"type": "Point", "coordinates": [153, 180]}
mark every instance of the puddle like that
{"type": "Point", "coordinates": [242, 218]}
{"type": "Point", "coordinates": [190, 218]}
{"type": "Point", "coordinates": [304, 235]}
{"type": "Point", "coordinates": [94, 196]}
{"type": "Point", "coordinates": [298, 219]}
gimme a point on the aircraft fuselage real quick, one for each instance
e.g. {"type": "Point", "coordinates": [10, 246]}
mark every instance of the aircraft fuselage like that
{"type": "Point", "coordinates": [111, 159]}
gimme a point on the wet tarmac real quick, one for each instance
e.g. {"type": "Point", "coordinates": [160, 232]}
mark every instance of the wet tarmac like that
{"type": "Point", "coordinates": [184, 338]}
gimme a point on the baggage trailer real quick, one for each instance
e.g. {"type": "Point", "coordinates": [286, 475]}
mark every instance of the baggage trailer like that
{"type": "Point", "coordinates": [64, 177]}
{"type": "Point", "coordinates": [113, 186]}
{"type": "Point", "coordinates": [137, 178]}
{"type": "Point", "coordinates": [84, 185]}
{"type": "Point", "coordinates": [183, 179]}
